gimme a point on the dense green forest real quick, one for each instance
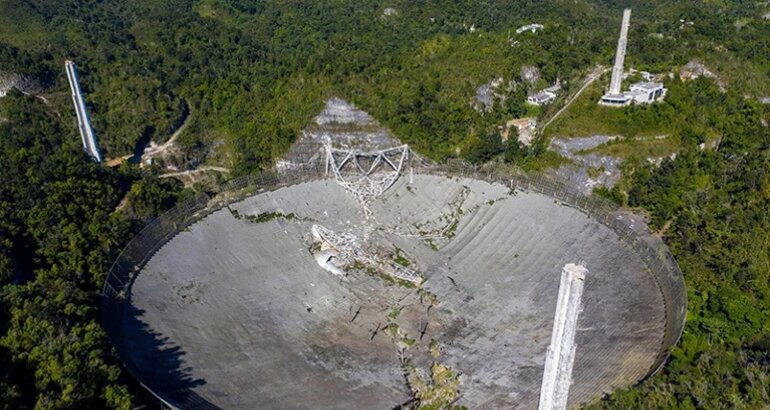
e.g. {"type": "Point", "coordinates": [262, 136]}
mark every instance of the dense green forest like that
{"type": "Point", "coordinates": [59, 233]}
{"type": "Point", "coordinates": [251, 75]}
{"type": "Point", "coordinates": [254, 73]}
{"type": "Point", "coordinates": [712, 206]}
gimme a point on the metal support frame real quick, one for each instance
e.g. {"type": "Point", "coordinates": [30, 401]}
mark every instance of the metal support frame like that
{"type": "Point", "coordinates": [369, 181]}
{"type": "Point", "coordinates": [345, 248]}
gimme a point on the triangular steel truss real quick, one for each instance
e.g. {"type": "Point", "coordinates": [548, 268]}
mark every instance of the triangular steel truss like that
{"type": "Point", "coordinates": [366, 174]}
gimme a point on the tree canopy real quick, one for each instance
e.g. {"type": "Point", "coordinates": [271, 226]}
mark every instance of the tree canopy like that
{"type": "Point", "coordinates": [252, 74]}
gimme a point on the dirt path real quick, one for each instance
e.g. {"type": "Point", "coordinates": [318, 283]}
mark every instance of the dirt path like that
{"type": "Point", "coordinates": [664, 230]}
{"type": "Point", "coordinates": [196, 170]}
{"type": "Point", "coordinates": [187, 177]}
{"type": "Point", "coordinates": [191, 177]}
{"type": "Point", "coordinates": [153, 150]}
{"type": "Point", "coordinates": [114, 162]}
{"type": "Point", "coordinates": [122, 204]}
{"type": "Point", "coordinates": [595, 74]}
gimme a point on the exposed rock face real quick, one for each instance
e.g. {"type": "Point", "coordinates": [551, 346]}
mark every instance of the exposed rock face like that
{"type": "Point", "coordinates": [695, 69]}
{"type": "Point", "coordinates": [485, 95]}
{"type": "Point", "coordinates": [7, 82]}
{"type": "Point", "coordinates": [22, 83]}
{"type": "Point", "coordinates": [346, 125]}
{"type": "Point", "coordinates": [530, 74]}
{"type": "Point", "coordinates": [339, 111]}
{"type": "Point", "coordinates": [578, 173]}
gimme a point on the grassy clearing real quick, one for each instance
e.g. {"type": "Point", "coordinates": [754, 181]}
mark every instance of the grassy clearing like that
{"type": "Point", "coordinates": [585, 117]}
{"type": "Point", "coordinates": [214, 9]}
{"type": "Point", "coordinates": [646, 148]}
{"type": "Point", "coordinates": [21, 28]}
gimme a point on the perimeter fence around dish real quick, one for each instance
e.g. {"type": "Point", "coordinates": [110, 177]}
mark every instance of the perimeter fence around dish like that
{"type": "Point", "coordinates": [651, 250]}
{"type": "Point", "coordinates": [162, 229]}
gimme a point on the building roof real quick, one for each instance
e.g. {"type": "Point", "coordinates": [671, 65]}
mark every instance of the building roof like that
{"type": "Point", "coordinates": [617, 97]}
{"type": "Point", "coordinates": [649, 86]}
{"type": "Point", "coordinates": [542, 96]}
{"type": "Point", "coordinates": [554, 88]}
{"type": "Point", "coordinates": [529, 27]}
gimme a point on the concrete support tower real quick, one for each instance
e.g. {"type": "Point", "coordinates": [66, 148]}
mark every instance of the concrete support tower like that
{"type": "Point", "coordinates": [557, 374]}
{"type": "Point", "coordinates": [84, 124]}
{"type": "Point", "coordinates": [620, 55]}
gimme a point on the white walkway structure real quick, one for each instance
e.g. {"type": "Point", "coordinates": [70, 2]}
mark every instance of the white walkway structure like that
{"type": "Point", "coordinates": [620, 54]}
{"type": "Point", "coordinates": [84, 123]}
{"type": "Point", "coordinates": [557, 375]}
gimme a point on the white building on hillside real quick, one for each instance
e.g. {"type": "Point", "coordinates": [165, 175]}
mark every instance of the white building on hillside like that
{"type": "Point", "coordinates": [545, 96]}
{"type": "Point", "coordinates": [647, 92]}
{"type": "Point", "coordinates": [541, 98]}
{"type": "Point", "coordinates": [529, 27]}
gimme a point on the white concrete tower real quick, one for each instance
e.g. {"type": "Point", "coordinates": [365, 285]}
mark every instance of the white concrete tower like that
{"type": "Point", "coordinates": [557, 374]}
{"type": "Point", "coordinates": [620, 55]}
{"type": "Point", "coordinates": [84, 123]}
